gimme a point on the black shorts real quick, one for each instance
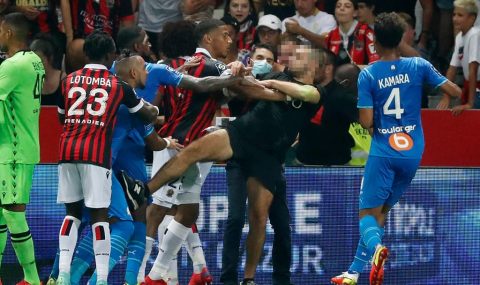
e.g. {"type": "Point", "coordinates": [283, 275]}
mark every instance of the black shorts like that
{"type": "Point", "coordinates": [255, 162]}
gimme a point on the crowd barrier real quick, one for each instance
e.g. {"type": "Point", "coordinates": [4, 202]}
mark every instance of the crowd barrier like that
{"type": "Point", "coordinates": [450, 141]}
{"type": "Point", "coordinates": [433, 233]}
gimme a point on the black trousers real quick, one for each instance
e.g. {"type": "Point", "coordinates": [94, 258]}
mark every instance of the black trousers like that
{"type": "Point", "coordinates": [279, 218]}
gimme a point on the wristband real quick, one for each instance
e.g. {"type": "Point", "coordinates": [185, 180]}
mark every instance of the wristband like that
{"type": "Point", "coordinates": [167, 142]}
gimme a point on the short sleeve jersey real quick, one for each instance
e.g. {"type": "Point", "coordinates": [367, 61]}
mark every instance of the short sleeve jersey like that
{"type": "Point", "coordinates": [158, 75]}
{"type": "Point", "coordinates": [92, 96]}
{"type": "Point", "coordinates": [21, 82]}
{"type": "Point", "coordinates": [126, 123]}
{"type": "Point", "coordinates": [394, 90]}
{"type": "Point", "coordinates": [195, 110]}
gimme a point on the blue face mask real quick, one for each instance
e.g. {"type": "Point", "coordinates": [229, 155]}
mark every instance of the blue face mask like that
{"type": "Point", "coordinates": [261, 67]}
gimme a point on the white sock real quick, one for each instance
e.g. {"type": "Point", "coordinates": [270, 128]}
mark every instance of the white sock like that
{"type": "Point", "coordinates": [67, 241]}
{"type": "Point", "coordinates": [148, 250]}
{"type": "Point", "coordinates": [172, 274]}
{"type": "Point", "coordinates": [195, 250]}
{"type": "Point", "coordinates": [171, 244]}
{"type": "Point", "coordinates": [162, 228]}
{"type": "Point", "coordinates": [101, 248]}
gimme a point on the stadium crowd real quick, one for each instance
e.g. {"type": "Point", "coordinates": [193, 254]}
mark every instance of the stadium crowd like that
{"type": "Point", "coordinates": [197, 64]}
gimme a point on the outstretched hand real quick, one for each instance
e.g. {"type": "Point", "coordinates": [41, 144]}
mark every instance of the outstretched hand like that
{"type": "Point", "coordinates": [238, 69]}
{"type": "Point", "coordinates": [174, 144]}
{"type": "Point", "coordinates": [192, 62]}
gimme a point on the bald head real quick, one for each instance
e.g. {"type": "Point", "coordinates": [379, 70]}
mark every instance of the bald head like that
{"type": "Point", "coordinates": [132, 70]}
{"type": "Point", "coordinates": [347, 76]}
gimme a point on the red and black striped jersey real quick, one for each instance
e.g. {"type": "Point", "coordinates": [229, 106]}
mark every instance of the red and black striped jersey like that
{"type": "Point", "coordinates": [360, 49]}
{"type": "Point", "coordinates": [90, 15]}
{"type": "Point", "coordinates": [245, 39]}
{"type": "Point", "coordinates": [195, 110]}
{"type": "Point", "coordinates": [171, 94]}
{"type": "Point", "coordinates": [92, 96]}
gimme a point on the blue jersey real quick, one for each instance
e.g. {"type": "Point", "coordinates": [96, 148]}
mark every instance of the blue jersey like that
{"type": "Point", "coordinates": [394, 90]}
{"type": "Point", "coordinates": [126, 123]}
{"type": "Point", "coordinates": [158, 74]}
{"type": "Point", "coordinates": [125, 160]}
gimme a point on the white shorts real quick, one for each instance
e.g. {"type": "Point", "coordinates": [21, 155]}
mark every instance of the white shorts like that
{"type": "Point", "coordinates": [88, 182]}
{"type": "Point", "coordinates": [184, 190]}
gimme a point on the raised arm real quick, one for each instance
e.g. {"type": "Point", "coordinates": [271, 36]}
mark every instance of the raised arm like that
{"type": "Point", "coordinates": [306, 93]}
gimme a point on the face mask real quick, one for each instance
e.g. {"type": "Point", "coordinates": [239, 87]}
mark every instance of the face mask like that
{"type": "Point", "coordinates": [261, 67]}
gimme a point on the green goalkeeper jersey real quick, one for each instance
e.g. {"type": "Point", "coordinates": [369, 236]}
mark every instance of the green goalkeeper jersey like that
{"type": "Point", "coordinates": [21, 82]}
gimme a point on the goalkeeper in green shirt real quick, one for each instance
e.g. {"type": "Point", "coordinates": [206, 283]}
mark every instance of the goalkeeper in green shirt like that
{"type": "Point", "coordinates": [21, 82]}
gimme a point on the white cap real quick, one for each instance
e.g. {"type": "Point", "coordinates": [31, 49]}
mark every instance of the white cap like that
{"type": "Point", "coordinates": [270, 21]}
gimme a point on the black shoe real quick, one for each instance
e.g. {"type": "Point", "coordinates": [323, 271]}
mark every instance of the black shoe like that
{"type": "Point", "coordinates": [134, 190]}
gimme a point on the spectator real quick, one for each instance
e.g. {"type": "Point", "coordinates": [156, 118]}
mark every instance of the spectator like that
{"type": "Point", "coordinates": [465, 55]}
{"type": "Point", "coordinates": [233, 30]}
{"type": "Point", "coordinates": [445, 35]}
{"type": "Point", "coordinates": [269, 30]}
{"type": "Point", "coordinates": [286, 50]}
{"type": "Point", "coordinates": [262, 56]}
{"type": "Point", "coordinates": [153, 15]}
{"type": "Point", "coordinates": [310, 24]}
{"type": "Point", "coordinates": [326, 139]}
{"type": "Point", "coordinates": [81, 18]}
{"type": "Point", "coordinates": [44, 46]}
{"type": "Point", "coordinates": [281, 9]}
{"type": "Point", "coordinates": [244, 12]}
{"type": "Point", "coordinates": [351, 41]}
{"type": "Point", "coordinates": [43, 15]}
{"type": "Point", "coordinates": [136, 40]}
{"type": "Point", "coordinates": [408, 6]}
{"type": "Point", "coordinates": [366, 12]}
{"type": "Point", "coordinates": [197, 10]}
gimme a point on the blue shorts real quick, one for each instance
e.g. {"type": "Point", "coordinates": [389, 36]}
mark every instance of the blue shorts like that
{"type": "Point", "coordinates": [385, 179]}
{"type": "Point", "coordinates": [118, 207]}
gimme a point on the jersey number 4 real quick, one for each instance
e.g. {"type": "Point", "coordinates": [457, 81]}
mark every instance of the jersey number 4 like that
{"type": "Point", "coordinates": [74, 110]}
{"type": "Point", "coordinates": [397, 110]}
{"type": "Point", "coordinates": [37, 89]}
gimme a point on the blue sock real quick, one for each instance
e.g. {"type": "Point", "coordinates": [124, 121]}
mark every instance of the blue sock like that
{"type": "Point", "coordinates": [362, 256]}
{"type": "Point", "coordinates": [370, 233]}
{"type": "Point", "coordinates": [54, 272]}
{"type": "Point", "coordinates": [136, 251]}
{"type": "Point", "coordinates": [83, 258]}
{"type": "Point", "coordinates": [120, 234]}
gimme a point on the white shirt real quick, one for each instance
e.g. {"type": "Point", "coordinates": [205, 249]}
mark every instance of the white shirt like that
{"type": "Point", "coordinates": [318, 23]}
{"type": "Point", "coordinates": [467, 50]}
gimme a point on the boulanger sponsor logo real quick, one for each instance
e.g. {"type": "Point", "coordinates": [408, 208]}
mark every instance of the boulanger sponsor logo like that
{"type": "Point", "coordinates": [399, 138]}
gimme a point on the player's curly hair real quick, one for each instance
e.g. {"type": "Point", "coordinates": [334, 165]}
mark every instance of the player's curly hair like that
{"type": "Point", "coordinates": [98, 45]}
{"type": "Point", "coordinates": [389, 29]}
{"type": "Point", "coordinates": [177, 39]}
